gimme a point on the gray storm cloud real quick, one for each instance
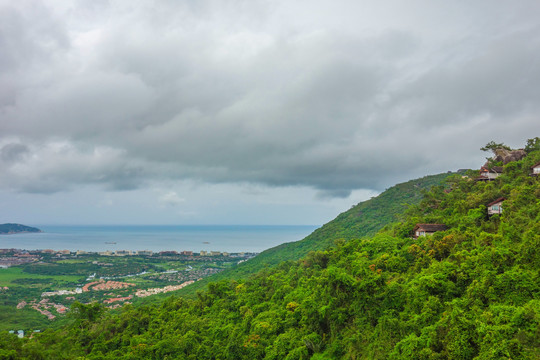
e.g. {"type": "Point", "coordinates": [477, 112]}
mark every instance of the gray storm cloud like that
{"type": "Point", "coordinates": [13, 152]}
{"type": "Point", "coordinates": [341, 97]}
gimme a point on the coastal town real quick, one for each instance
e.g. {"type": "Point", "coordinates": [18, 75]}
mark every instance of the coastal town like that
{"type": "Point", "coordinates": [41, 285]}
{"type": "Point", "coordinates": [13, 257]}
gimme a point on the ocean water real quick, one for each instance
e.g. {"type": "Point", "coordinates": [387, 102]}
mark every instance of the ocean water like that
{"type": "Point", "coordinates": [238, 238]}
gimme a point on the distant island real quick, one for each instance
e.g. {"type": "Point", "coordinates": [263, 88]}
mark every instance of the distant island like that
{"type": "Point", "coordinates": [7, 229]}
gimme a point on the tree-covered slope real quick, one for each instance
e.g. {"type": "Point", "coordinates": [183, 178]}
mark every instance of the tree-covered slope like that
{"type": "Point", "coordinates": [469, 292]}
{"type": "Point", "coordinates": [363, 219]}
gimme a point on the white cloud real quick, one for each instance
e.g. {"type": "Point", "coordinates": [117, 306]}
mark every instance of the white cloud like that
{"type": "Point", "coordinates": [171, 199]}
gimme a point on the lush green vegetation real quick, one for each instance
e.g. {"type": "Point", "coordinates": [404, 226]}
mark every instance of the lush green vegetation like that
{"type": "Point", "coordinates": [122, 266]}
{"type": "Point", "coordinates": [16, 275]}
{"type": "Point", "coordinates": [469, 292]}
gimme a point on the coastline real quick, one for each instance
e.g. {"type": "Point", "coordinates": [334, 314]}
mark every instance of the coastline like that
{"type": "Point", "coordinates": [21, 232]}
{"type": "Point", "coordinates": [158, 238]}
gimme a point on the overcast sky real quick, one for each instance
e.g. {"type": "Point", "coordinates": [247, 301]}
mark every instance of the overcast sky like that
{"type": "Point", "coordinates": [251, 112]}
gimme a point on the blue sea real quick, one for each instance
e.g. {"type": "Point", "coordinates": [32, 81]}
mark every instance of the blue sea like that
{"type": "Point", "coordinates": [229, 238]}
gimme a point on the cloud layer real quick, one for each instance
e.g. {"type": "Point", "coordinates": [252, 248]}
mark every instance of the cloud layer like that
{"type": "Point", "coordinates": [335, 96]}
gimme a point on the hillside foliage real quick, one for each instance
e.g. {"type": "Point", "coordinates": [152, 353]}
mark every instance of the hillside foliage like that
{"type": "Point", "coordinates": [363, 219]}
{"type": "Point", "coordinates": [469, 292]}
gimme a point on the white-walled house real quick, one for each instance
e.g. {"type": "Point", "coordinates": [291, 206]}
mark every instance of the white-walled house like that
{"type": "Point", "coordinates": [495, 207]}
{"type": "Point", "coordinates": [536, 169]}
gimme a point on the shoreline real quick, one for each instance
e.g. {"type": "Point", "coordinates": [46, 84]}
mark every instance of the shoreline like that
{"type": "Point", "coordinates": [21, 232]}
{"type": "Point", "coordinates": [97, 239]}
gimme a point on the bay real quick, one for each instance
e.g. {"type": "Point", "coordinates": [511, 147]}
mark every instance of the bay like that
{"type": "Point", "coordinates": [229, 238]}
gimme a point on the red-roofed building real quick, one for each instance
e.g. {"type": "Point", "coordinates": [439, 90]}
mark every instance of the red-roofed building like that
{"type": "Point", "coordinates": [487, 174]}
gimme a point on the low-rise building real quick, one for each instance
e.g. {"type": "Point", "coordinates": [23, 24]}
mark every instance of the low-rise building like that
{"type": "Point", "coordinates": [495, 207]}
{"type": "Point", "coordinates": [491, 173]}
{"type": "Point", "coordinates": [7, 251]}
{"type": "Point", "coordinates": [122, 252]}
{"type": "Point", "coordinates": [145, 252]}
{"type": "Point", "coordinates": [535, 169]}
{"type": "Point", "coordinates": [21, 305]}
{"type": "Point", "coordinates": [168, 253]}
{"type": "Point", "coordinates": [427, 229]}
{"type": "Point", "coordinates": [57, 293]}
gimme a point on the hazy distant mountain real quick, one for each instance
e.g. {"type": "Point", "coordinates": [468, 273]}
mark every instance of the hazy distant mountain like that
{"type": "Point", "coordinates": [16, 228]}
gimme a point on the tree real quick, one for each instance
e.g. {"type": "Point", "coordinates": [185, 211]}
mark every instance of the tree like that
{"type": "Point", "coordinates": [90, 312]}
{"type": "Point", "coordinates": [532, 145]}
{"type": "Point", "coordinates": [493, 147]}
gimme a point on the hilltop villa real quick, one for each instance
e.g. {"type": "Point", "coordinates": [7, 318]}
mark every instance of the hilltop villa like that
{"type": "Point", "coordinates": [487, 174]}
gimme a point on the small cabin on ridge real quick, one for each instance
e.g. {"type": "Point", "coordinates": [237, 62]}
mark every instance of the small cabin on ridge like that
{"type": "Point", "coordinates": [427, 229]}
{"type": "Point", "coordinates": [495, 207]}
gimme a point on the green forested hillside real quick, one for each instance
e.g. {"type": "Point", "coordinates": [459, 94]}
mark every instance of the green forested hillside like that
{"type": "Point", "coordinates": [363, 219]}
{"type": "Point", "coordinates": [469, 292]}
